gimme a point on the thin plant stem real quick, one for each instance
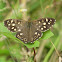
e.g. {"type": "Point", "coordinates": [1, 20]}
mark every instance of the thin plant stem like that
{"type": "Point", "coordinates": [34, 55]}
{"type": "Point", "coordinates": [24, 13]}
{"type": "Point", "coordinates": [55, 49]}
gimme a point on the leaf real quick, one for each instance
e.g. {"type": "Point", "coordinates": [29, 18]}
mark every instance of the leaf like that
{"type": "Point", "coordinates": [47, 34]}
{"type": "Point", "coordinates": [35, 44]}
{"type": "Point", "coordinates": [7, 33]}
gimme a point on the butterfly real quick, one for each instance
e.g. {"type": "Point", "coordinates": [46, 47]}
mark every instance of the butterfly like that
{"type": "Point", "coordinates": [29, 31]}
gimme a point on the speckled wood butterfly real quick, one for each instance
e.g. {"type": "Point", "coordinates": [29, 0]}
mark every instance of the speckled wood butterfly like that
{"type": "Point", "coordinates": [29, 31]}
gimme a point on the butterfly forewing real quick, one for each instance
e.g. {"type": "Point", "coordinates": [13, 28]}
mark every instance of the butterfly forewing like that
{"type": "Point", "coordinates": [13, 24]}
{"type": "Point", "coordinates": [44, 24]}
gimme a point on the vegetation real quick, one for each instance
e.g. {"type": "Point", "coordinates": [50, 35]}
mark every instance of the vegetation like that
{"type": "Point", "coordinates": [48, 48]}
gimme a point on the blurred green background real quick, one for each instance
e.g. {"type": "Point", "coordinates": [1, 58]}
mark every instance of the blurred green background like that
{"type": "Point", "coordinates": [12, 49]}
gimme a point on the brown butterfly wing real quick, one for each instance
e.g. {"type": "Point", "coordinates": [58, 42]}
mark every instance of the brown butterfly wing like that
{"type": "Point", "coordinates": [23, 35]}
{"type": "Point", "coordinates": [40, 26]}
{"type": "Point", "coordinates": [44, 24]}
{"type": "Point", "coordinates": [20, 27]}
{"type": "Point", "coordinates": [14, 24]}
{"type": "Point", "coordinates": [34, 33]}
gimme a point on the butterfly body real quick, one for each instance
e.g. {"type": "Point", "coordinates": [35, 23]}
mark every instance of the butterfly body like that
{"type": "Point", "coordinates": [29, 31]}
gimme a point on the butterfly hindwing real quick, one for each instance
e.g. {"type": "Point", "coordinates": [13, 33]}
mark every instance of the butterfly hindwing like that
{"type": "Point", "coordinates": [23, 35]}
{"type": "Point", "coordinates": [34, 34]}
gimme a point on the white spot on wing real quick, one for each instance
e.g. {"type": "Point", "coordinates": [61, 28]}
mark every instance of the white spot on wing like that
{"type": "Point", "coordinates": [41, 28]}
{"type": "Point", "coordinates": [38, 34]}
{"type": "Point", "coordinates": [19, 30]}
{"type": "Point", "coordinates": [44, 26]}
{"type": "Point", "coordinates": [21, 33]}
{"type": "Point", "coordinates": [7, 21]}
{"type": "Point", "coordinates": [11, 21]}
{"type": "Point", "coordinates": [8, 24]}
{"type": "Point", "coordinates": [39, 22]}
{"type": "Point", "coordinates": [14, 29]}
{"type": "Point", "coordinates": [46, 20]}
{"type": "Point", "coordinates": [13, 24]}
{"type": "Point", "coordinates": [50, 20]}
{"type": "Point", "coordinates": [49, 23]}
{"type": "Point", "coordinates": [35, 32]}
{"type": "Point", "coordinates": [44, 23]}
{"type": "Point", "coordinates": [18, 22]}
{"type": "Point", "coordinates": [17, 35]}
